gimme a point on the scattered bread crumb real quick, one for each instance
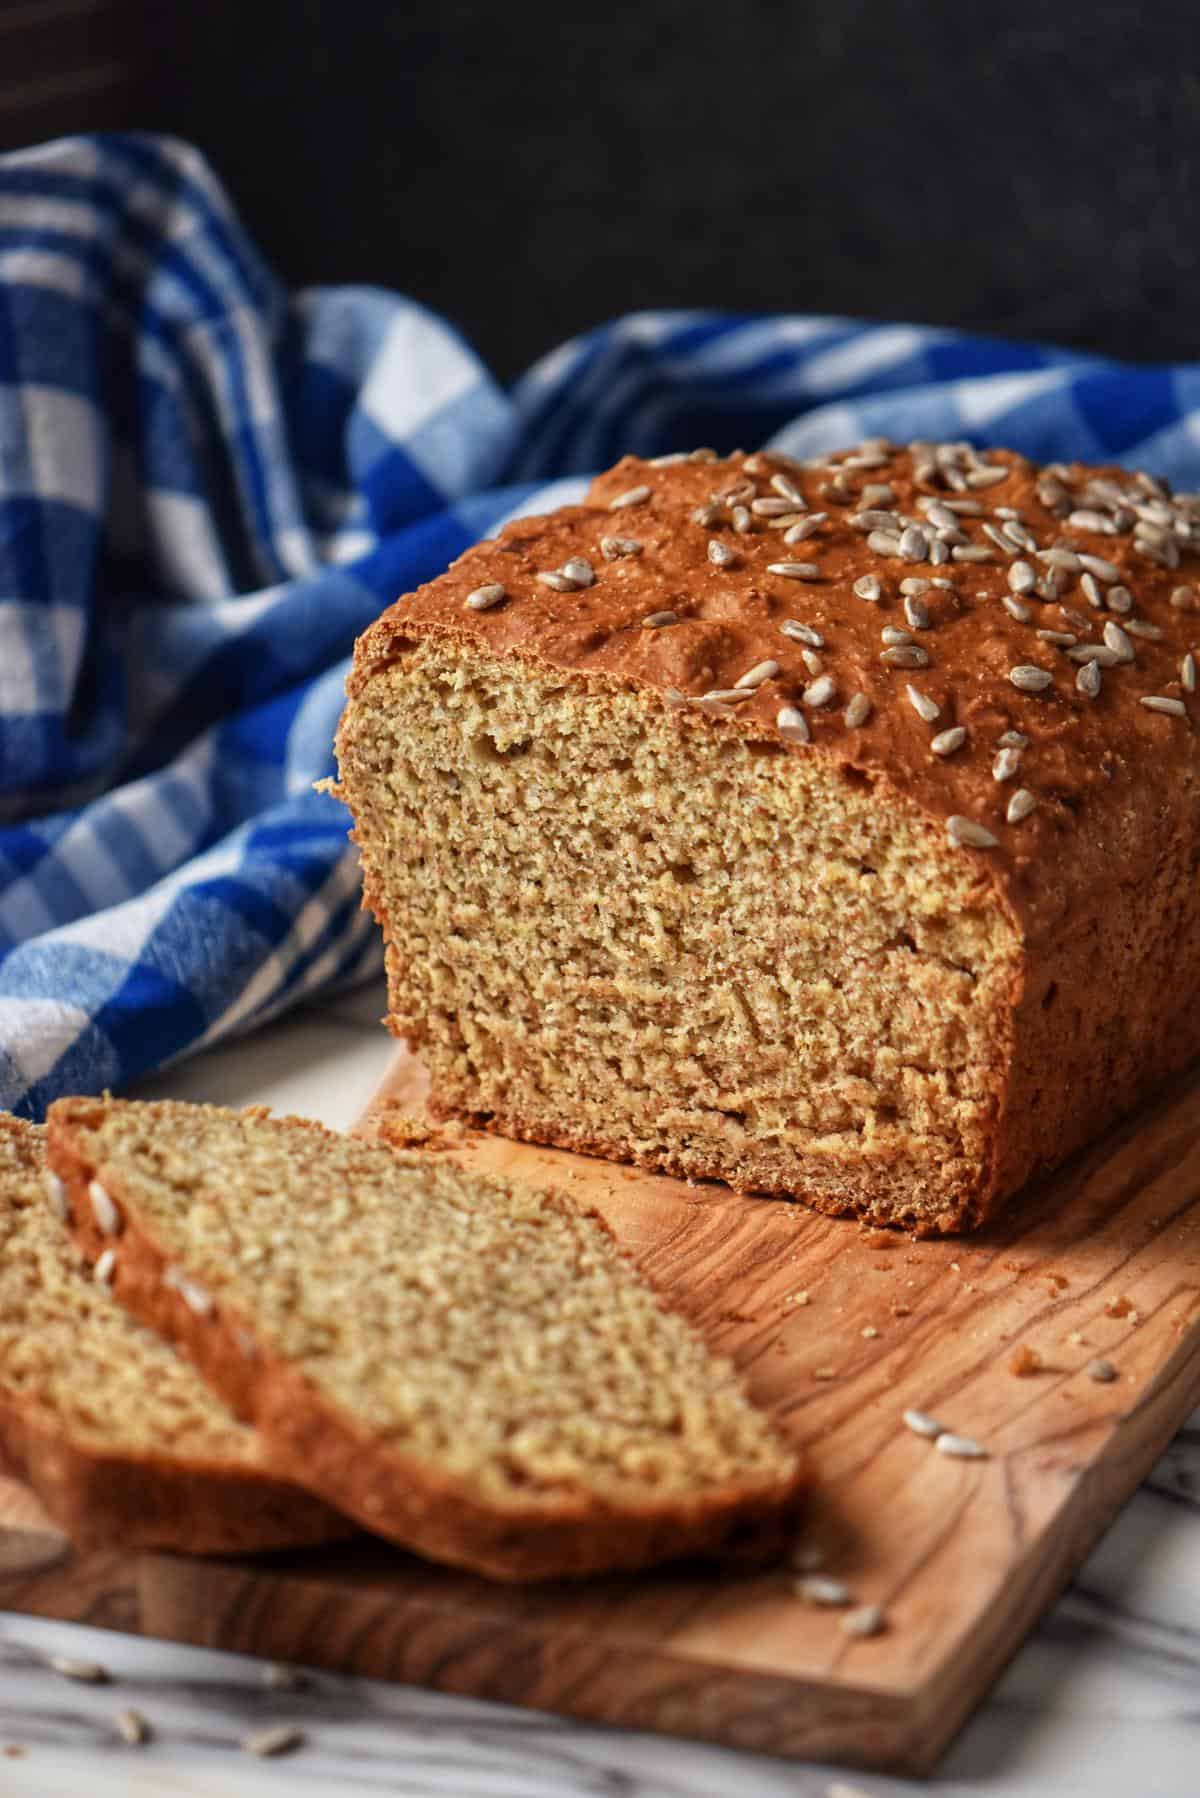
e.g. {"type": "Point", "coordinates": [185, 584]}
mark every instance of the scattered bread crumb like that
{"type": "Point", "coordinates": [1119, 1307]}
{"type": "Point", "coordinates": [1025, 1362]}
{"type": "Point", "coordinates": [870, 1332]}
{"type": "Point", "coordinates": [824, 1373]}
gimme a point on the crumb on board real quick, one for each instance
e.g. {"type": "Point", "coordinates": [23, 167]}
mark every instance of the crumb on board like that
{"type": "Point", "coordinates": [824, 1373]}
{"type": "Point", "coordinates": [1118, 1307]}
{"type": "Point", "coordinates": [1025, 1362]}
{"type": "Point", "coordinates": [1101, 1370]}
{"type": "Point", "coordinates": [797, 1298]}
{"type": "Point", "coordinates": [869, 1332]}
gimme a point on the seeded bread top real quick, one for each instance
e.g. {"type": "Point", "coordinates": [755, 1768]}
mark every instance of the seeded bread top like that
{"type": "Point", "coordinates": [1006, 647]}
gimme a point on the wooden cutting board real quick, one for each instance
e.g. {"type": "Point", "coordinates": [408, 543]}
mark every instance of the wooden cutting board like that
{"type": "Point", "coordinates": [838, 1330]}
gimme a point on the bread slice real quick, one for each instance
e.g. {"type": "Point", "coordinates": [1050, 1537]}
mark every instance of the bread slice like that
{"type": "Point", "coordinates": [121, 1440]}
{"type": "Point", "coordinates": [468, 1367]}
{"type": "Point", "coordinates": [827, 829]}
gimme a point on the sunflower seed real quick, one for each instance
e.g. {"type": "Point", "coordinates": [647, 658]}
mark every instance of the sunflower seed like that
{"type": "Point", "coordinates": [87, 1673]}
{"type": "Point", "coordinates": [1118, 641]}
{"type": "Point", "coordinates": [789, 491]}
{"type": "Point", "coordinates": [132, 1727]}
{"type": "Point", "coordinates": [613, 548]}
{"type": "Point", "coordinates": [579, 570]}
{"type": "Point", "coordinates": [1156, 703]}
{"type": "Point", "coordinates": [1139, 627]}
{"type": "Point", "coordinates": [905, 655]}
{"type": "Point", "coordinates": [926, 708]}
{"type": "Point", "coordinates": [1089, 680]}
{"type": "Point", "coordinates": [670, 461]}
{"type": "Point", "coordinates": [674, 697]}
{"type": "Point", "coordinates": [867, 587]}
{"type": "Point", "coordinates": [971, 552]}
{"type": "Point", "coordinates": [916, 612]}
{"type": "Point", "coordinates": [771, 507]}
{"type": "Point", "coordinates": [817, 1588]}
{"type": "Point", "coordinates": [1030, 679]}
{"type": "Point", "coordinates": [56, 1192]}
{"type": "Point", "coordinates": [914, 544]}
{"type": "Point", "coordinates": [558, 582]}
{"type": "Point", "coordinates": [969, 835]}
{"type": "Point", "coordinates": [1006, 764]}
{"type": "Point", "coordinates": [720, 554]}
{"type": "Point", "coordinates": [960, 1448]}
{"type": "Point", "coordinates": [107, 1217]}
{"type": "Point", "coordinates": [1090, 521]}
{"type": "Point", "coordinates": [948, 741]}
{"type": "Point", "coordinates": [1016, 608]}
{"type": "Point", "coordinates": [922, 1424]}
{"type": "Point", "coordinates": [805, 527]}
{"type": "Point", "coordinates": [867, 1620]}
{"type": "Point", "coordinates": [1060, 639]}
{"type": "Point", "coordinates": [1183, 599]}
{"type": "Point", "coordinates": [761, 671]}
{"type": "Point", "coordinates": [874, 521]}
{"type": "Point", "coordinates": [892, 634]}
{"type": "Point", "coordinates": [655, 621]}
{"type": "Point", "coordinates": [802, 633]}
{"type": "Point", "coordinates": [795, 571]}
{"type": "Point", "coordinates": [193, 1295]}
{"type": "Point", "coordinates": [1022, 578]}
{"type": "Point", "coordinates": [878, 493]}
{"type": "Point", "coordinates": [482, 599]}
{"type": "Point", "coordinates": [1058, 557]}
{"type": "Point", "coordinates": [812, 661]}
{"type": "Point", "coordinates": [791, 723]}
{"type": "Point", "coordinates": [884, 543]}
{"type": "Point", "coordinates": [820, 692]}
{"type": "Point", "coordinates": [1000, 537]}
{"type": "Point", "coordinates": [1020, 805]}
{"type": "Point", "coordinates": [1120, 599]}
{"type": "Point", "coordinates": [278, 1738]}
{"type": "Point", "coordinates": [1094, 652]}
{"type": "Point", "coordinates": [939, 515]}
{"type": "Point", "coordinates": [1103, 571]}
{"type": "Point", "coordinates": [987, 476]}
{"type": "Point", "coordinates": [857, 712]}
{"type": "Point", "coordinates": [723, 696]}
{"type": "Point", "coordinates": [1013, 739]}
{"type": "Point", "coordinates": [741, 520]}
{"type": "Point", "coordinates": [1187, 673]}
{"type": "Point", "coordinates": [1100, 1370]}
{"type": "Point", "coordinates": [915, 585]}
{"type": "Point", "coordinates": [105, 1268]}
{"type": "Point", "coordinates": [632, 496]}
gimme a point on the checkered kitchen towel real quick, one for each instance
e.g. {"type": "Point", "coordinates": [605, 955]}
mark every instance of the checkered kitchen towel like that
{"type": "Point", "coordinates": [208, 487]}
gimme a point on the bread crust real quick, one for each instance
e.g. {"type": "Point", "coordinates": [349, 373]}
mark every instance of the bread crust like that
{"type": "Point", "coordinates": [389, 1493]}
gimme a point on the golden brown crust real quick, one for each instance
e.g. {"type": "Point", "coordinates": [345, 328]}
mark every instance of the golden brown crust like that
{"type": "Point", "coordinates": [403, 1499]}
{"type": "Point", "coordinates": [149, 1503]}
{"type": "Point", "coordinates": [170, 1501]}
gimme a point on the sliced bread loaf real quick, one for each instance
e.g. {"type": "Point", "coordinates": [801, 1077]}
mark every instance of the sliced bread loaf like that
{"type": "Point", "coordinates": [470, 1368]}
{"type": "Point", "coordinates": [120, 1439]}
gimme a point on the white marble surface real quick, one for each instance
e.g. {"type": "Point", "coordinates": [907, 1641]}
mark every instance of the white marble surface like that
{"type": "Point", "coordinates": [1102, 1702]}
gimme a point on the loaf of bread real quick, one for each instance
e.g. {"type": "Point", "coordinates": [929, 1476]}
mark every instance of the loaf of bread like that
{"type": "Point", "coordinates": [829, 828]}
{"type": "Point", "coordinates": [469, 1368]}
{"type": "Point", "coordinates": [121, 1440]}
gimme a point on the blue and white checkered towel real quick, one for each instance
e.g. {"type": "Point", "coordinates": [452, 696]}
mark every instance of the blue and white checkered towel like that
{"type": "Point", "coordinates": [209, 487]}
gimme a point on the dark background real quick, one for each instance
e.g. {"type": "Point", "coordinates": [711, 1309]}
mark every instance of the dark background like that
{"type": "Point", "coordinates": [1031, 170]}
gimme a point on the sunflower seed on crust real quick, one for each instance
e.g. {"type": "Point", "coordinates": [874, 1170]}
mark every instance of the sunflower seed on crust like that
{"type": "Point", "coordinates": [967, 834]}
{"type": "Point", "coordinates": [1020, 805]}
{"type": "Point", "coordinates": [791, 723]}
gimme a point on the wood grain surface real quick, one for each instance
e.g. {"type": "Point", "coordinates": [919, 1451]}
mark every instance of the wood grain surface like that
{"type": "Point", "coordinates": [838, 1330]}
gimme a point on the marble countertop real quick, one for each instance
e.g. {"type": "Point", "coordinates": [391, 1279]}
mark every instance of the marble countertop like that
{"type": "Point", "coordinates": [1103, 1701]}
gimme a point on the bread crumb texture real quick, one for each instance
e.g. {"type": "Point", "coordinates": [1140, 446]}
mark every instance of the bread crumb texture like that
{"type": "Point", "coordinates": [495, 1332]}
{"type": "Point", "coordinates": [68, 1348]}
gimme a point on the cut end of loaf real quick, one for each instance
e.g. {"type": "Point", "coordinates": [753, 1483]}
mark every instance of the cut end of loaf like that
{"type": "Point", "coordinates": [670, 941]}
